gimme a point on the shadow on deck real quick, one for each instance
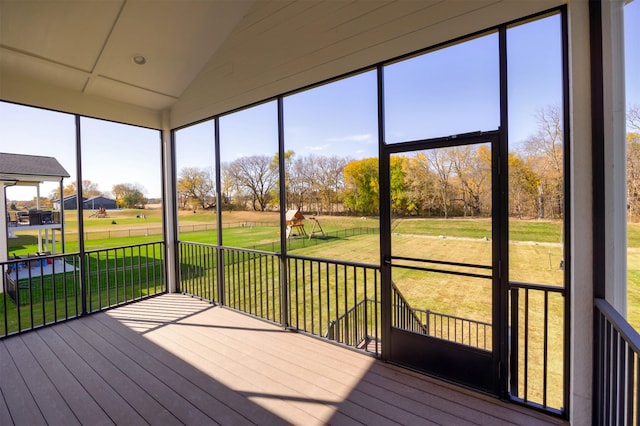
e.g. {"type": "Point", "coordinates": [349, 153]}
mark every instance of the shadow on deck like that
{"type": "Point", "coordinates": [173, 359]}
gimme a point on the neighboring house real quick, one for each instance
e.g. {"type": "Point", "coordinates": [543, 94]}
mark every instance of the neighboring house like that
{"type": "Point", "coordinates": [70, 202]}
{"type": "Point", "coordinates": [98, 201]}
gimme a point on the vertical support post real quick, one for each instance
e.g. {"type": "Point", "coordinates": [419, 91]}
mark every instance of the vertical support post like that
{"type": "Point", "coordinates": [219, 252]}
{"type": "Point", "coordinates": [4, 245]}
{"type": "Point", "coordinates": [385, 224]}
{"type": "Point", "coordinates": [614, 140]}
{"type": "Point", "coordinates": [284, 273]}
{"type": "Point", "coordinates": [582, 225]}
{"type": "Point", "coordinates": [62, 237]}
{"type": "Point", "coordinates": [500, 219]}
{"type": "Point", "coordinates": [170, 229]}
{"type": "Point", "coordinates": [83, 278]}
{"type": "Point", "coordinates": [40, 250]}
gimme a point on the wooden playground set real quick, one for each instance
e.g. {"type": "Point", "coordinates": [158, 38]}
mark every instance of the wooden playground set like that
{"type": "Point", "coordinates": [295, 226]}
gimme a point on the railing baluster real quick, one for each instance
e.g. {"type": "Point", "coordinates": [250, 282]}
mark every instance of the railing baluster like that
{"type": "Point", "coordinates": [514, 341]}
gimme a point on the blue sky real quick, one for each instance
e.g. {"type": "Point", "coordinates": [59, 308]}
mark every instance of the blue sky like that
{"type": "Point", "coordinates": [451, 91]}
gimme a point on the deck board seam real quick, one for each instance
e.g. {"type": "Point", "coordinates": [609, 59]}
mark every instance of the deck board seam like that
{"type": "Point", "coordinates": [99, 347]}
{"type": "Point", "coordinates": [168, 368]}
{"type": "Point", "coordinates": [142, 346]}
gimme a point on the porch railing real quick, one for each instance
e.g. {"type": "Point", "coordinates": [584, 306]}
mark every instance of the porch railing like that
{"type": "Point", "coordinates": [41, 290]}
{"type": "Point", "coordinates": [323, 291]}
{"type": "Point", "coordinates": [455, 329]}
{"type": "Point", "coordinates": [616, 352]}
{"type": "Point", "coordinates": [403, 316]}
{"type": "Point", "coordinates": [537, 346]}
{"type": "Point", "coordinates": [356, 327]}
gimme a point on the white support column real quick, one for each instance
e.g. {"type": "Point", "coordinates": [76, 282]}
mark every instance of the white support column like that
{"type": "Point", "coordinates": [170, 221]}
{"type": "Point", "coordinates": [38, 208]}
{"type": "Point", "coordinates": [615, 155]}
{"type": "Point", "coordinates": [4, 245]}
{"type": "Point", "coordinates": [581, 202]}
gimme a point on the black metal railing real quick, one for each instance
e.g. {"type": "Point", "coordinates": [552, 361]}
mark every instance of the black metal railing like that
{"type": "Point", "coordinates": [616, 350]}
{"type": "Point", "coordinates": [357, 326]}
{"type": "Point", "coordinates": [537, 337]}
{"type": "Point", "coordinates": [322, 291]}
{"type": "Point", "coordinates": [252, 282]}
{"type": "Point", "coordinates": [460, 330]}
{"type": "Point", "coordinates": [123, 274]}
{"type": "Point", "coordinates": [319, 291]}
{"type": "Point", "coordinates": [41, 290]}
{"type": "Point", "coordinates": [403, 316]}
{"type": "Point", "coordinates": [198, 270]}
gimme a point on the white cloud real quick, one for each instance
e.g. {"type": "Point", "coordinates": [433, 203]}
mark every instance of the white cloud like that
{"type": "Point", "coordinates": [317, 148]}
{"type": "Point", "coordinates": [353, 138]}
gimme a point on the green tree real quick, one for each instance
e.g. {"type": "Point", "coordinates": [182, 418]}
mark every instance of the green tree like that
{"type": "Point", "coordinates": [523, 187]}
{"type": "Point", "coordinates": [398, 185]}
{"type": "Point", "coordinates": [420, 185]}
{"type": "Point", "coordinates": [361, 186]}
{"type": "Point", "coordinates": [196, 185]}
{"type": "Point", "coordinates": [129, 195]}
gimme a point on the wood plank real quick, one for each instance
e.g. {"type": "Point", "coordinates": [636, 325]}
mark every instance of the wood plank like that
{"type": "Point", "coordinates": [116, 407]}
{"type": "Point", "coordinates": [85, 408]}
{"type": "Point", "coordinates": [231, 370]}
{"type": "Point", "coordinates": [312, 366]}
{"type": "Point", "coordinates": [174, 365]}
{"type": "Point", "coordinates": [168, 399]}
{"type": "Point", "coordinates": [17, 395]}
{"type": "Point", "coordinates": [51, 404]}
{"type": "Point", "coordinates": [174, 359]}
{"type": "Point", "coordinates": [182, 394]}
{"type": "Point", "coordinates": [5, 416]}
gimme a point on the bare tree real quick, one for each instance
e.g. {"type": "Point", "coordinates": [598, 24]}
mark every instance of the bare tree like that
{"type": "Point", "coordinates": [473, 169]}
{"type": "Point", "coordinates": [440, 161]}
{"type": "Point", "coordinates": [422, 193]}
{"type": "Point", "coordinates": [633, 176]}
{"type": "Point", "coordinates": [545, 151]}
{"type": "Point", "coordinates": [329, 178]}
{"type": "Point", "coordinates": [633, 117]}
{"type": "Point", "coordinates": [257, 175]}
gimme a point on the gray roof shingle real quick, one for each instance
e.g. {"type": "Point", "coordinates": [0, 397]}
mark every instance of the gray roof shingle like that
{"type": "Point", "coordinates": [30, 165]}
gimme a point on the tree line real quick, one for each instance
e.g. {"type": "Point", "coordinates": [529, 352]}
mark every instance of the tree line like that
{"type": "Point", "coordinates": [633, 163]}
{"type": "Point", "coordinates": [127, 195]}
{"type": "Point", "coordinates": [442, 182]}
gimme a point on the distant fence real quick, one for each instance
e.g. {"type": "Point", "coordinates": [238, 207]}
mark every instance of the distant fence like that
{"type": "Point", "coordinates": [203, 227]}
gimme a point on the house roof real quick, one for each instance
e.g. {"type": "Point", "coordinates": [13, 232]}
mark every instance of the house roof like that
{"type": "Point", "coordinates": [69, 198]}
{"type": "Point", "coordinates": [30, 168]}
{"type": "Point", "coordinates": [100, 197]}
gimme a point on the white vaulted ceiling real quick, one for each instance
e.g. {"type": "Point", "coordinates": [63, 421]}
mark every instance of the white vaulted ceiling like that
{"type": "Point", "coordinates": [205, 57]}
{"type": "Point", "coordinates": [86, 47]}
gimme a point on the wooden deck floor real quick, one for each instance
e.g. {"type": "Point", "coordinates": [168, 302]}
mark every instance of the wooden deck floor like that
{"type": "Point", "coordinates": [175, 360]}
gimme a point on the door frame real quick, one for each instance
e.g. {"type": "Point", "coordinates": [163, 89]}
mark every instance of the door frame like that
{"type": "Point", "coordinates": [492, 366]}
